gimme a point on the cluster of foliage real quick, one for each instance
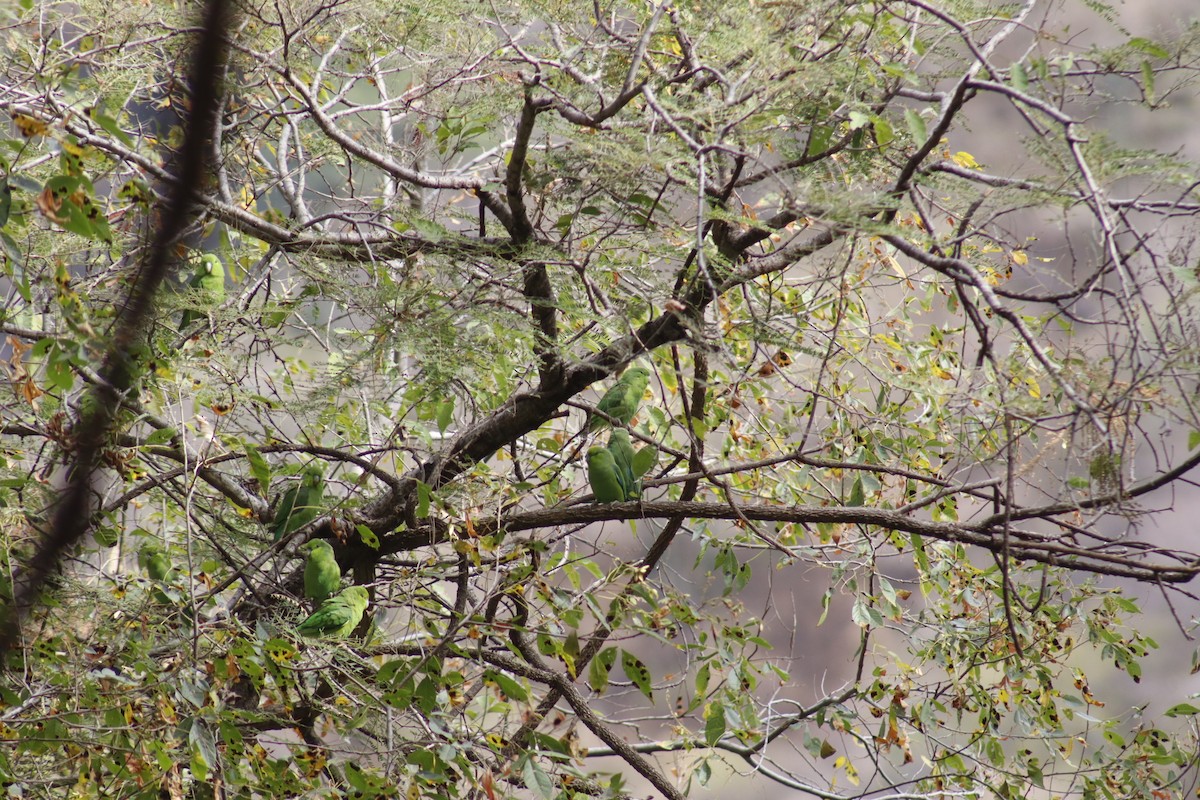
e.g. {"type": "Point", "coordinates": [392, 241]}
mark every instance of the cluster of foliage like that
{"type": "Point", "coordinates": [877, 403]}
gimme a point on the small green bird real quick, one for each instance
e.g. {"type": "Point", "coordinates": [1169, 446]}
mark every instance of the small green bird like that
{"type": "Point", "coordinates": [155, 561]}
{"type": "Point", "coordinates": [301, 504]}
{"type": "Point", "coordinates": [602, 475]}
{"type": "Point", "coordinates": [623, 399]}
{"type": "Point", "coordinates": [322, 575]}
{"type": "Point", "coordinates": [208, 289]}
{"type": "Point", "coordinates": [621, 447]}
{"type": "Point", "coordinates": [338, 616]}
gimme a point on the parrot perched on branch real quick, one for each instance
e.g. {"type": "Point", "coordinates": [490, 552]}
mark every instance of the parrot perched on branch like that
{"type": "Point", "coordinates": [322, 575]}
{"type": "Point", "coordinates": [602, 475]}
{"type": "Point", "coordinates": [621, 446]}
{"type": "Point", "coordinates": [155, 561]}
{"type": "Point", "coordinates": [301, 504]}
{"type": "Point", "coordinates": [623, 399]}
{"type": "Point", "coordinates": [208, 287]}
{"type": "Point", "coordinates": [159, 568]}
{"type": "Point", "coordinates": [338, 616]}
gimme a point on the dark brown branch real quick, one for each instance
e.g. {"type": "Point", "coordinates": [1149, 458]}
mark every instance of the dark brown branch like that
{"type": "Point", "coordinates": [521, 413]}
{"type": "Point", "coordinates": [1148, 485]}
{"type": "Point", "coordinates": [1022, 546]}
{"type": "Point", "coordinates": [519, 226]}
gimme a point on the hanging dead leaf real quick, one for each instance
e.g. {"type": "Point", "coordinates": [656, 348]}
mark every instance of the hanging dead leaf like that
{"type": "Point", "coordinates": [49, 203]}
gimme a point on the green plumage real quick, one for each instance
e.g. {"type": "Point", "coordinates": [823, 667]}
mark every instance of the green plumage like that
{"type": "Point", "coordinates": [322, 575]}
{"type": "Point", "coordinates": [155, 561]}
{"type": "Point", "coordinates": [301, 504]}
{"type": "Point", "coordinates": [207, 286]}
{"type": "Point", "coordinates": [602, 475]}
{"type": "Point", "coordinates": [338, 616]}
{"type": "Point", "coordinates": [623, 399]}
{"type": "Point", "coordinates": [621, 446]}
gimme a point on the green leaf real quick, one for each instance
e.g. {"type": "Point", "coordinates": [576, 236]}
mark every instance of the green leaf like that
{"type": "Point", "coordinates": [161, 436]}
{"type": "Point", "coordinates": [1149, 47]}
{"type": "Point", "coordinates": [429, 230]}
{"type": "Point", "coordinates": [424, 495]}
{"type": "Point", "coordinates": [857, 497]}
{"type": "Point", "coordinates": [864, 615]}
{"type": "Point", "coordinates": [59, 374]}
{"type": "Point", "coordinates": [636, 671]}
{"type": "Point", "coordinates": [825, 598]}
{"type": "Point", "coordinates": [355, 777]}
{"type": "Point", "coordinates": [77, 211]}
{"type": "Point", "coordinates": [887, 590]}
{"type": "Point", "coordinates": [599, 669]}
{"type": "Point", "coordinates": [818, 139]}
{"type": "Point", "coordinates": [260, 470]}
{"type": "Point", "coordinates": [537, 780]}
{"type": "Point", "coordinates": [508, 686]}
{"type": "Point", "coordinates": [702, 677]}
{"type": "Point", "coordinates": [714, 723]}
{"type": "Point", "coordinates": [444, 414]}
{"type": "Point", "coordinates": [15, 256]}
{"type": "Point", "coordinates": [110, 126]}
{"type": "Point", "coordinates": [1193, 440]}
{"type": "Point", "coordinates": [1020, 78]}
{"type": "Point", "coordinates": [368, 537]}
{"type": "Point", "coordinates": [204, 749]}
{"type": "Point", "coordinates": [918, 543]}
{"type": "Point", "coordinates": [1182, 710]}
{"type": "Point", "coordinates": [883, 131]}
{"type": "Point", "coordinates": [1035, 774]}
{"type": "Point", "coordinates": [106, 536]}
{"type": "Point", "coordinates": [1148, 81]}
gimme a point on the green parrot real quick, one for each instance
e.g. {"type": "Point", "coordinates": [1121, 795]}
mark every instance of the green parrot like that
{"type": "Point", "coordinates": [322, 575]}
{"type": "Point", "coordinates": [602, 474]}
{"type": "Point", "coordinates": [621, 447]}
{"type": "Point", "coordinates": [338, 616]}
{"type": "Point", "coordinates": [623, 399]}
{"type": "Point", "coordinates": [155, 561]}
{"type": "Point", "coordinates": [301, 504]}
{"type": "Point", "coordinates": [208, 284]}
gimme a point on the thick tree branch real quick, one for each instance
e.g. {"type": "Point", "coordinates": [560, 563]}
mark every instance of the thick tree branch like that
{"type": "Point", "coordinates": [1122, 561]}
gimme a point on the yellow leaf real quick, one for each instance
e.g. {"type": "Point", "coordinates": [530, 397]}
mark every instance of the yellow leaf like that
{"type": "Point", "coordinates": [1035, 391]}
{"type": "Point", "coordinates": [965, 160]}
{"type": "Point", "coordinates": [843, 763]}
{"type": "Point", "coordinates": [29, 126]}
{"type": "Point", "coordinates": [1020, 257]}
